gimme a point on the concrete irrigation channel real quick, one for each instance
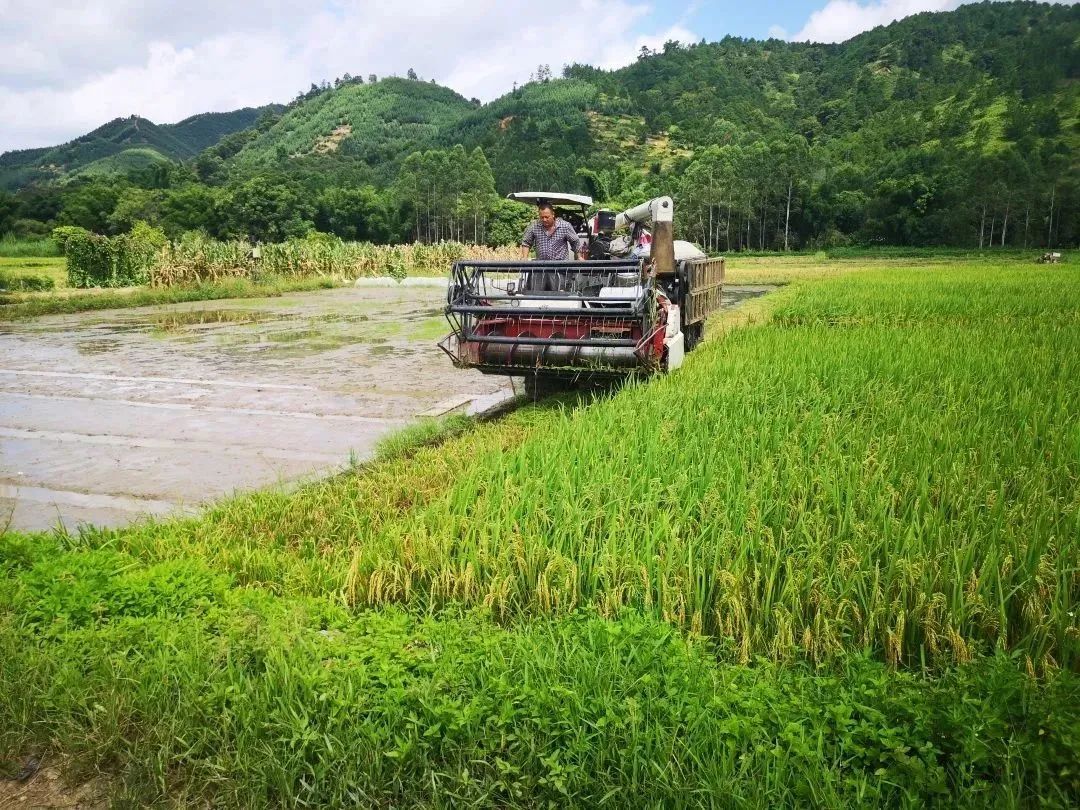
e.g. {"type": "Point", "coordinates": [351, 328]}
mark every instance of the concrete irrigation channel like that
{"type": "Point", "coordinates": [108, 416]}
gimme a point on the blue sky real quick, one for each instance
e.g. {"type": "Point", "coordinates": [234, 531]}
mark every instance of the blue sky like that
{"type": "Point", "coordinates": [818, 20]}
{"type": "Point", "coordinates": [68, 66]}
{"type": "Point", "coordinates": [714, 20]}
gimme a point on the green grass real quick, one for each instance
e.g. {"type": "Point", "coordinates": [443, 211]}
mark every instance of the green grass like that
{"type": "Point", "coordinates": [24, 282]}
{"type": "Point", "coordinates": [52, 268]}
{"type": "Point", "coordinates": [12, 247]}
{"type": "Point", "coordinates": [831, 561]}
{"type": "Point", "coordinates": [406, 442]}
{"type": "Point", "coordinates": [427, 329]}
{"type": "Point", "coordinates": [191, 691]}
{"type": "Point", "coordinates": [14, 307]}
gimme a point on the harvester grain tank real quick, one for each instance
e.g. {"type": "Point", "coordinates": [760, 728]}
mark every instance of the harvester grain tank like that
{"type": "Point", "coordinates": [633, 307]}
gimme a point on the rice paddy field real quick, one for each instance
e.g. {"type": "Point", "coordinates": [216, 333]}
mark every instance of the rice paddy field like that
{"type": "Point", "coordinates": [832, 561]}
{"type": "Point", "coordinates": [33, 273]}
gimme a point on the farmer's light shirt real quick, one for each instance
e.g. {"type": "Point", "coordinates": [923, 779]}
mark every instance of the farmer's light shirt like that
{"type": "Point", "coordinates": [551, 247]}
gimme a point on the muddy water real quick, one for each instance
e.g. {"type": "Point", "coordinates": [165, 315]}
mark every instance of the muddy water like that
{"type": "Point", "coordinates": [734, 296]}
{"type": "Point", "coordinates": [107, 416]}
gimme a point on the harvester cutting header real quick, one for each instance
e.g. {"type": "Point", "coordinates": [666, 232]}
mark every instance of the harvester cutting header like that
{"type": "Point", "coordinates": [635, 305]}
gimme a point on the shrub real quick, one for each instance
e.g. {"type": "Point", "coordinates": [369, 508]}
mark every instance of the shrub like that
{"type": "Point", "coordinates": [89, 260]}
{"type": "Point", "coordinates": [65, 233]}
{"type": "Point", "coordinates": [122, 261]}
{"type": "Point", "coordinates": [29, 228]}
{"type": "Point", "coordinates": [25, 283]}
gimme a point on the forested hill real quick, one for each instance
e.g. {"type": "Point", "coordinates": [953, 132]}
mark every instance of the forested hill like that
{"type": "Point", "coordinates": [912, 128]}
{"type": "Point", "coordinates": [376, 124]}
{"type": "Point", "coordinates": [960, 128]}
{"type": "Point", "coordinates": [124, 144]}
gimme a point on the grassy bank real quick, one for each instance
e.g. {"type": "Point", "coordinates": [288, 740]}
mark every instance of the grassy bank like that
{"type": "Point", "coordinates": [830, 561]}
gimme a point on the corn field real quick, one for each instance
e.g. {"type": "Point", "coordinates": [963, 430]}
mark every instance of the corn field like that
{"type": "Point", "coordinates": [195, 259]}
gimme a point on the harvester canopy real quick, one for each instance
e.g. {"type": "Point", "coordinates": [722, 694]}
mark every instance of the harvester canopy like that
{"type": "Point", "coordinates": [551, 198]}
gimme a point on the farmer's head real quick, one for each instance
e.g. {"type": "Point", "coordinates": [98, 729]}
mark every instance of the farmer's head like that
{"type": "Point", "coordinates": [547, 214]}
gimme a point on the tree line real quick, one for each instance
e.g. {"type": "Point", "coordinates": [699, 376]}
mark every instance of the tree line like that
{"type": "Point", "coordinates": [787, 194]}
{"type": "Point", "coordinates": [942, 129]}
{"type": "Point", "coordinates": [439, 194]}
{"type": "Point", "coordinates": [783, 194]}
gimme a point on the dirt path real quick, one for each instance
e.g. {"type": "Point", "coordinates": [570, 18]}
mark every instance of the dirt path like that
{"type": "Point", "coordinates": [42, 785]}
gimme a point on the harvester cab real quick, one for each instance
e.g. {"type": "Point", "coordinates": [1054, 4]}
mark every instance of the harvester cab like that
{"type": "Point", "coordinates": [634, 307]}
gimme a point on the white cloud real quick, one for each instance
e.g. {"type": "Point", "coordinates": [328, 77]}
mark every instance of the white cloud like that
{"type": "Point", "coordinates": [68, 41]}
{"type": "Point", "coordinates": [777, 32]}
{"type": "Point", "coordinates": [842, 19]}
{"type": "Point", "coordinates": [65, 72]}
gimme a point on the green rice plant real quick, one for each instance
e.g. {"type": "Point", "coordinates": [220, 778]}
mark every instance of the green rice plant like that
{"type": "Point", "coordinates": [189, 691]}
{"type": "Point", "coordinates": [889, 466]}
{"type": "Point", "coordinates": [425, 433]}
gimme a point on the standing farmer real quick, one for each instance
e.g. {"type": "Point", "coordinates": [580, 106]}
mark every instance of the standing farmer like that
{"type": "Point", "coordinates": [553, 238]}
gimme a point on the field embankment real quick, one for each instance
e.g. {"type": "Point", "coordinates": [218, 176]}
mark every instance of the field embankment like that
{"type": "Point", "coordinates": [831, 561]}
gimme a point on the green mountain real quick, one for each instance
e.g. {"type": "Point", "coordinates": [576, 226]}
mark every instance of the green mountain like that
{"type": "Point", "coordinates": [376, 124]}
{"type": "Point", "coordinates": [959, 127]}
{"type": "Point", "coordinates": [933, 127]}
{"type": "Point", "coordinates": [985, 76]}
{"type": "Point", "coordinates": [123, 144]}
{"type": "Point", "coordinates": [202, 131]}
{"type": "Point", "coordinates": [983, 79]}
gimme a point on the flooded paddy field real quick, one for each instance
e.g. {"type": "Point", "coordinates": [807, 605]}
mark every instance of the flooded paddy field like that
{"type": "Point", "coordinates": [105, 416]}
{"type": "Point", "coordinates": [108, 415]}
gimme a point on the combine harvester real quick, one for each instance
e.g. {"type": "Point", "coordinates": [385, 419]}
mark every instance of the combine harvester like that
{"type": "Point", "coordinates": [633, 308]}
